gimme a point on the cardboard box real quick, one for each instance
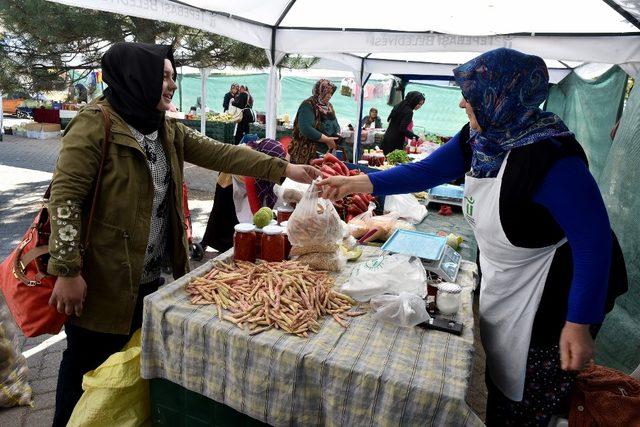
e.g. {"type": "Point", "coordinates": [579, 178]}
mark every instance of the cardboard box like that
{"type": "Point", "coordinates": [49, 127]}
{"type": "Point", "coordinates": [33, 127]}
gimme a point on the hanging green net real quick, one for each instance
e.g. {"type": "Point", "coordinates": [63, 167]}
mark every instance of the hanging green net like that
{"type": "Point", "coordinates": [590, 109]}
{"type": "Point", "coordinates": [440, 114]}
{"type": "Point", "coordinates": [619, 340]}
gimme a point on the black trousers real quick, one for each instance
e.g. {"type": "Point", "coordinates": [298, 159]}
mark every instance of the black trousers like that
{"type": "Point", "coordinates": [241, 130]}
{"type": "Point", "coordinates": [86, 350]}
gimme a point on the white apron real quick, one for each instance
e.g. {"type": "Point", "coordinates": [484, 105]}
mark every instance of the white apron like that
{"type": "Point", "coordinates": [513, 279]}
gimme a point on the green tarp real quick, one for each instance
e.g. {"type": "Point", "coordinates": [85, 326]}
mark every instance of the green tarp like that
{"type": "Point", "coordinates": [590, 109]}
{"type": "Point", "coordinates": [440, 114]}
{"type": "Point", "coordinates": [619, 340]}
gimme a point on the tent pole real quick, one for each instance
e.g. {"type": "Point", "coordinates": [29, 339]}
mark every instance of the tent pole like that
{"type": "Point", "coordinates": [272, 89]}
{"type": "Point", "coordinates": [357, 134]}
{"type": "Point", "coordinates": [204, 73]}
{"type": "Point", "coordinates": [1, 115]}
{"type": "Point", "coordinates": [180, 82]}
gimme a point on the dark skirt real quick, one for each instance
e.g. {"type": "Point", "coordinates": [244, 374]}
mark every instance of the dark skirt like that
{"type": "Point", "coordinates": [547, 390]}
{"type": "Point", "coordinates": [219, 232]}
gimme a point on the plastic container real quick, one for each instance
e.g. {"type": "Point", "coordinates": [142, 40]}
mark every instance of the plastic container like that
{"type": "Point", "coordinates": [273, 244]}
{"type": "Point", "coordinates": [448, 298]}
{"type": "Point", "coordinates": [244, 242]}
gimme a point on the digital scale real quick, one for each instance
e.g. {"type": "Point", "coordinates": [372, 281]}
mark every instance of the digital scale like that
{"type": "Point", "coordinates": [446, 193]}
{"type": "Point", "coordinates": [436, 255]}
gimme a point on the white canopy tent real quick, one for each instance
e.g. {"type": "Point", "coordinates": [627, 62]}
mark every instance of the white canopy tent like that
{"type": "Point", "coordinates": [410, 36]}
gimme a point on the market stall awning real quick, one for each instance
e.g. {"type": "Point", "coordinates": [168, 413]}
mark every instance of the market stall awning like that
{"type": "Point", "coordinates": [575, 30]}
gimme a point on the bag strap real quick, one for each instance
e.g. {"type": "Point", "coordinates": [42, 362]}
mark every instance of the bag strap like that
{"type": "Point", "coordinates": [103, 160]}
{"type": "Point", "coordinates": [22, 260]}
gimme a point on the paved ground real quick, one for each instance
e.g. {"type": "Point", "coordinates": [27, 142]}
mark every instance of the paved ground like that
{"type": "Point", "coordinates": [25, 170]}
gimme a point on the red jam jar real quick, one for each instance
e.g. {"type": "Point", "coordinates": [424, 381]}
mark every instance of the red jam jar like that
{"type": "Point", "coordinates": [244, 242]}
{"type": "Point", "coordinates": [272, 244]}
{"type": "Point", "coordinates": [284, 213]}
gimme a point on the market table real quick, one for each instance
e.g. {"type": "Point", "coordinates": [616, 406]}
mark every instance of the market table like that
{"type": "Point", "coordinates": [372, 373]}
{"type": "Point", "coordinates": [46, 115]}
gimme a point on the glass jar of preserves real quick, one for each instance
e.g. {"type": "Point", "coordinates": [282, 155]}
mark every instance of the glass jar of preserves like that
{"type": "Point", "coordinates": [284, 213]}
{"type": "Point", "coordinates": [244, 242]}
{"type": "Point", "coordinates": [272, 244]}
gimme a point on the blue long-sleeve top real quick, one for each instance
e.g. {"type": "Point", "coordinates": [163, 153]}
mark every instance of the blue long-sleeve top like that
{"type": "Point", "coordinates": [570, 194]}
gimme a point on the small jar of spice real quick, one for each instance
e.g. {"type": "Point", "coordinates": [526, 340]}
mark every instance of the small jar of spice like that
{"type": "Point", "coordinates": [244, 242]}
{"type": "Point", "coordinates": [272, 244]}
{"type": "Point", "coordinates": [448, 298]}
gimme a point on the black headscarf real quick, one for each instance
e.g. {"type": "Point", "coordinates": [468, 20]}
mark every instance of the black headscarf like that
{"type": "Point", "coordinates": [134, 73]}
{"type": "Point", "coordinates": [408, 104]}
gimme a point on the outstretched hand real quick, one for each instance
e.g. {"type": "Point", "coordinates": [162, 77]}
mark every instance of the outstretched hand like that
{"type": "Point", "coordinates": [338, 187]}
{"type": "Point", "coordinates": [302, 173]}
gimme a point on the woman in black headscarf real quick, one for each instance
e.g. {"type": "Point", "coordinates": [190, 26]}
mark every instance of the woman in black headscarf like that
{"type": "Point", "coordinates": [138, 225]}
{"type": "Point", "coordinates": [244, 102]}
{"type": "Point", "coordinates": [401, 122]}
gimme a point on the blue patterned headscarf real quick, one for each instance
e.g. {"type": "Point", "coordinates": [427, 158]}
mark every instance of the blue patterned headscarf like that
{"type": "Point", "coordinates": [505, 89]}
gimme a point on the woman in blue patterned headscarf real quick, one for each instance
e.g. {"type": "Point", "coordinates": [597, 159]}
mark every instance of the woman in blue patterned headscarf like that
{"type": "Point", "coordinates": [551, 266]}
{"type": "Point", "coordinates": [506, 88]}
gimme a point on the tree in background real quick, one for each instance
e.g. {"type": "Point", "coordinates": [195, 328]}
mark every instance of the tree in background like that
{"type": "Point", "coordinates": [40, 42]}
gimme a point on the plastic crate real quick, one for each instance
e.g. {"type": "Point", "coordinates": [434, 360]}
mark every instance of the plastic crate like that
{"type": "Point", "coordinates": [175, 406]}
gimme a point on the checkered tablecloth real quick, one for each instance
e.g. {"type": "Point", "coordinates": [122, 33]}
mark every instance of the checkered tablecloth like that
{"type": "Point", "coordinates": [370, 374]}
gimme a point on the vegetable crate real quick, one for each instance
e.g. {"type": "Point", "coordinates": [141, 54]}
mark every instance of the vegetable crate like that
{"type": "Point", "coordinates": [219, 131]}
{"type": "Point", "coordinates": [175, 406]}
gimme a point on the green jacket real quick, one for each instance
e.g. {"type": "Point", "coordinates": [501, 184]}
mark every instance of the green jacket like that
{"type": "Point", "coordinates": [113, 261]}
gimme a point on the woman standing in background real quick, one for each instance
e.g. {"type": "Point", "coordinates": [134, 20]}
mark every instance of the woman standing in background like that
{"type": "Point", "coordinates": [315, 128]}
{"type": "Point", "coordinates": [401, 122]}
{"type": "Point", "coordinates": [241, 101]}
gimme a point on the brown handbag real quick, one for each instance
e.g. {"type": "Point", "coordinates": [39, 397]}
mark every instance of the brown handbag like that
{"type": "Point", "coordinates": [24, 280]}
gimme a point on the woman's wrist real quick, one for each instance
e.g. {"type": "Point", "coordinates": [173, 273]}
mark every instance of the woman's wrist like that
{"type": "Point", "coordinates": [362, 184]}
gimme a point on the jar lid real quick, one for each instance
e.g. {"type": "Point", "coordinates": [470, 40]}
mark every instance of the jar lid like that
{"type": "Point", "coordinates": [272, 230]}
{"type": "Point", "coordinates": [284, 225]}
{"type": "Point", "coordinates": [363, 162]}
{"type": "Point", "coordinates": [273, 222]}
{"type": "Point", "coordinates": [285, 208]}
{"type": "Point", "coordinates": [244, 227]}
{"type": "Point", "coordinates": [451, 288]}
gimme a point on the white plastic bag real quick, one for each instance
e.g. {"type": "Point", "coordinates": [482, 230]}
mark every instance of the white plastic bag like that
{"type": "Point", "coordinates": [386, 274]}
{"type": "Point", "coordinates": [405, 309]}
{"type": "Point", "coordinates": [290, 191]}
{"type": "Point", "coordinates": [406, 206]}
{"type": "Point", "coordinates": [315, 232]}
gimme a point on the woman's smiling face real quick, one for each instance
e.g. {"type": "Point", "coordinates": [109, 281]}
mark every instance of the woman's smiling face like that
{"type": "Point", "coordinates": [168, 87]}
